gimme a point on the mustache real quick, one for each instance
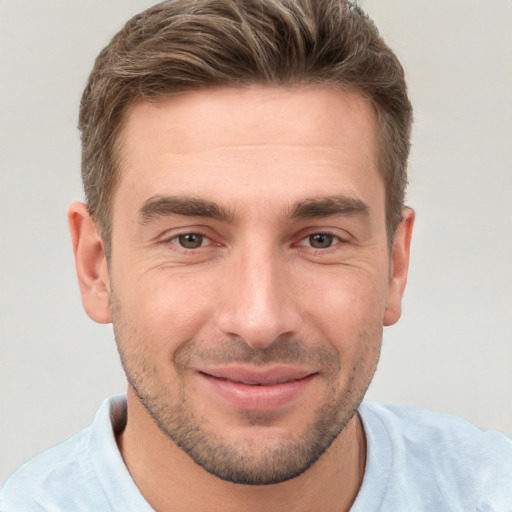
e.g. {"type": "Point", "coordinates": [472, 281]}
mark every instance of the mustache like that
{"type": "Point", "coordinates": [283, 350]}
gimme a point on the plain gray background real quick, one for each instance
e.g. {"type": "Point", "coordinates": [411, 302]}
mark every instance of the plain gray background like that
{"type": "Point", "coordinates": [452, 350]}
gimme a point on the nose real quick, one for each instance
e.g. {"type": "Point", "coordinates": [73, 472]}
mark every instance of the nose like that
{"type": "Point", "coordinates": [257, 302]}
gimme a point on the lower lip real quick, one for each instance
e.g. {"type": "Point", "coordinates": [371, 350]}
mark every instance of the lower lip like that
{"type": "Point", "coordinates": [258, 398]}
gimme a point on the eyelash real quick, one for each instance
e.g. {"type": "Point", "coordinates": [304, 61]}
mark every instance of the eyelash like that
{"type": "Point", "coordinates": [175, 240]}
{"type": "Point", "coordinates": [336, 240]}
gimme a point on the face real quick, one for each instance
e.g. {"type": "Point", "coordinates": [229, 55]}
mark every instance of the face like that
{"type": "Point", "coordinates": [250, 276]}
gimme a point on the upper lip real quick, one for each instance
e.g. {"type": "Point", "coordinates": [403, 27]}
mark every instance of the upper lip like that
{"type": "Point", "coordinates": [254, 375]}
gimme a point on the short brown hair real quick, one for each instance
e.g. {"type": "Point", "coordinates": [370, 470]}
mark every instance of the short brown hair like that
{"type": "Point", "coordinates": [184, 45]}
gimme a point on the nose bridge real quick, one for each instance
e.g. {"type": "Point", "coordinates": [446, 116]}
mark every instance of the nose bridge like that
{"type": "Point", "coordinates": [256, 305]}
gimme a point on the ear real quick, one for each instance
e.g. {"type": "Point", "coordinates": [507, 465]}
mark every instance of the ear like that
{"type": "Point", "coordinates": [399, 266]}
{"type": "Point", "coordinates": [91, 263]}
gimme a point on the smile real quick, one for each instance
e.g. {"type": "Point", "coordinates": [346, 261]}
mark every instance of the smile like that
{"type": "Point", "coordinates": [249, 389]}
{"type": "Point", "coordinates": [249, 383]}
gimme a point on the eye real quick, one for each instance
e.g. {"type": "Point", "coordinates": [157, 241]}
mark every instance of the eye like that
{"type": "Point", "coordinates": [320, 240]}
{"type": "Point", "coordinates": [191, 240]}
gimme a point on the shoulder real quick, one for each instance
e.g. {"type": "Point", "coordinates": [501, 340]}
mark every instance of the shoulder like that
{"type": "Point", "coordinates": [441, 455]}
{"type": "Point", "coordinates": [420, 425]}
{"type": "Point", "coordinates": [417, 424]}
{"type": "Point", "coordinates": [65, 477]}
{"type": "Point", "coordinates": [55, 476]}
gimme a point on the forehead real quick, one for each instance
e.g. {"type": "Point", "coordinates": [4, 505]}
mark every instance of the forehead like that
{"type": "Point", "coordinates": [198, 121]}
{"type": "Point", "coordinates": [247, 144]}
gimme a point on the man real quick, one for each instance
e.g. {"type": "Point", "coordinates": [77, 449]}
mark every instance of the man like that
{"type": "Point", "coordinates": [244, 164]}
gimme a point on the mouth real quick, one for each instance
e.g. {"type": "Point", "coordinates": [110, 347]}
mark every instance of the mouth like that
{"type": "Point", "coordinates": [255, 389]}
{"type": "Point", "coordinates": [254, 383]}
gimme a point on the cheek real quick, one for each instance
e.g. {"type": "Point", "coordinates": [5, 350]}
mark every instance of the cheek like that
{"type": "Point", "coordinates": [163, 309]}
{"type": "Point", "coordinates": [346, 309]}
{"type": "Point", "coordinates": [345, 298]}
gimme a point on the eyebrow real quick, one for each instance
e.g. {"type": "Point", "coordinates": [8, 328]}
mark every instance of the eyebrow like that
{"type": "Point", "coordinates": [331, 205]}
{"type": "Point", "coordinates": [162, 206]}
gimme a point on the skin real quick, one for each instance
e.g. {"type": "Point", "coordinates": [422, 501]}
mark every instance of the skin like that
{"type": "Point", "coordinates": [248, 233]}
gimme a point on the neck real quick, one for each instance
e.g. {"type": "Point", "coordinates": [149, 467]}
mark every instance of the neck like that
{"type": "Point", "coordinates": [170, 480]}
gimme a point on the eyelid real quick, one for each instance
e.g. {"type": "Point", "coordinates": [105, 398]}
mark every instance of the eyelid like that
{"type": "Point", "coordinates": [171, 236]}
{"type": "Point", "coordinates": [205, 238]}
{"type": "Point", "coordinates": [303, 241]}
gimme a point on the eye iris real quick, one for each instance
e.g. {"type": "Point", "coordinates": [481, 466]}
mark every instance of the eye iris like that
{"type": "Point", "coordinates": [191, 240]}
{"type": "Point", "coordinates": [321, 240]}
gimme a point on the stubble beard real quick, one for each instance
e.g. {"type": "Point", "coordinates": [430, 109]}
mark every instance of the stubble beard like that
{"type": "Point", "coordinates": [259, 460]}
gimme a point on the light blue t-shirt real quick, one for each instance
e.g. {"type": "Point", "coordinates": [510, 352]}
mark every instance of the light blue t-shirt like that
{"type": "Point", "coordinates": [417, 461]}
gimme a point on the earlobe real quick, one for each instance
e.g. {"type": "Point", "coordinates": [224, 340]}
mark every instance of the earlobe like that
{"type": "Point", "coordinates": [399, 267]}
{"type": "Point", "coordinates": [90, 262]}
